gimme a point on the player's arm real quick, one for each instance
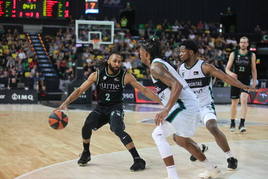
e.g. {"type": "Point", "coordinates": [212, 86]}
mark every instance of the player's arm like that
{"type": "Point", "coordinates": [77, 92]}
{"type": "Point", "coordinates": [209, 69]}
{"type": "Point", "coordinates": [160, 72]}
{"type": "Point", "coordinates": [229, 66]}
{"type": "Point", "coordinates": [130, 79]}
{"type": "Point", "coordinates": [254, 70]}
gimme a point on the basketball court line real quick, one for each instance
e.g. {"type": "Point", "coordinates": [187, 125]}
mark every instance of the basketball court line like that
{"type": "Point", "coordinates": [116, 164]}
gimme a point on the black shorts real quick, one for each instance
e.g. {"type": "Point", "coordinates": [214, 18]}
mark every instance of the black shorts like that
{"type": "Point", "coordinates": [235, 92]}
{"type": "Point", "coordinates": [101, 115]}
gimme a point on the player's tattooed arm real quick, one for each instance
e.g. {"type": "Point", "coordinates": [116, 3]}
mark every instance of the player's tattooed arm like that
{"type": "Point", "coordinates": [160, 72]}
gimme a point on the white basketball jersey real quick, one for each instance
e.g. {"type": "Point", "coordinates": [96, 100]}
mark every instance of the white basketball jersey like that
{"type": "Point", "coordinates": [186, 98]}
{"type": "Point", "coordinates": [198, 82]}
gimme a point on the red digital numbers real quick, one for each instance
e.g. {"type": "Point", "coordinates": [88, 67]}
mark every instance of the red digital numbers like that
{"type": "Point", "coordinates": [35, 8]}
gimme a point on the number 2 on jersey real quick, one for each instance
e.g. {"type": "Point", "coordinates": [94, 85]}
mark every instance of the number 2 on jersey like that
{"type": "Point", "coordinates": [107, 97]}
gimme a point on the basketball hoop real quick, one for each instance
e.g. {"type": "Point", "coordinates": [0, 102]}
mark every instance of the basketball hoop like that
{"type": "Point", "coordinates": [96, 44]}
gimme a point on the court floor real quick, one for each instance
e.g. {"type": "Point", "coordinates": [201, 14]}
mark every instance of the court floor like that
{"type": "Point", "coordinates": [30, 149]}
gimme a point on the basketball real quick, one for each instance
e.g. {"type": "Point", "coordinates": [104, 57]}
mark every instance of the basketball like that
{"type": "Point", "coordinates": [58, 120]}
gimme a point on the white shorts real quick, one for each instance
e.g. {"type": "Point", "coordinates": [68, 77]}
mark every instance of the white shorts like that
{"type": "Point", "coordinates": [183, 122]}
{"type": "Point", "coordinates": [207, 112]}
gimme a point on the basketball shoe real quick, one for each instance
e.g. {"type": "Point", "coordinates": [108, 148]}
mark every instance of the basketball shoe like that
{"type": "Point", "coordinates": [85, 157]}
{"type": "Point", "coordinates": [139, 164]}
{"type": "Point", "coordinates": [242, 127]}
{"type": "Point", "coordinates": [204, 148]}
{"type": "Point", "coordinates": [210, 173]}
{"type": "Point", "coordinates": [232, 163]}
{"type": "Point", "coordinates": [232, 127]}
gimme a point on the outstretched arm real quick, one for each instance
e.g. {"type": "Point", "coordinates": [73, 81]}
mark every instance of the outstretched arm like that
{"type": "Point", "coordinates": [76, 93]}
{"type": "Point", "coordinates": [215, 72]}
{"type": "Point", "coordinates": [160, 72]}
{"type": "Point", "coordinates": [130, 79]}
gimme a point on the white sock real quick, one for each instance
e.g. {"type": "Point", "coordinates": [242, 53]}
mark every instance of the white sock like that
{"type": "Point", "coordinates": [208, 164]}
{"type": "Point", "coordinates": [172, 173]}
{"type": "Point", "coordinates": [228, 154]}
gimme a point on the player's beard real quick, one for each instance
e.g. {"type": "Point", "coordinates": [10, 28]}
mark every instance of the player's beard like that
{"type": "Point", "coordinates": [113, 69]}
{"type": "Point", "coordinates": [243, 48]}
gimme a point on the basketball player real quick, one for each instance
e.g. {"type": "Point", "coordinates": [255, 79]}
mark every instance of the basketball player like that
{"type": "Point", "coordinates": [110, 81]}
{"type": "Point", "coordinates": [241, 65]}
{"type": "Point", "coordinates": [181, 111]}
{"type": "Point", "coordinates": [197, 73]}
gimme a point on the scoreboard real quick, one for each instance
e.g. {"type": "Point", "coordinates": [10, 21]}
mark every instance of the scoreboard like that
{"type": "Point", "coordinates": [35, 9]}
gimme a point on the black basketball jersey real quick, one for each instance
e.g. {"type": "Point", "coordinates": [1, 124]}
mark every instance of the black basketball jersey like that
{"type": "Point", "coordinates": [242, 65]}
{"type": "Point", "coordinates": [110, 87]}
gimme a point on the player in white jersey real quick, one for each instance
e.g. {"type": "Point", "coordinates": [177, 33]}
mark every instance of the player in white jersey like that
{"type": "Point", "coordinates": [180, 112]}
{"type": "Point", "coordinates": [197, 74]}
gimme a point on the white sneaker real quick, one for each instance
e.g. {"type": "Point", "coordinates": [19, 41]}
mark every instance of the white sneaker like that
{"type": "Point", "coordinates": [210, 173]}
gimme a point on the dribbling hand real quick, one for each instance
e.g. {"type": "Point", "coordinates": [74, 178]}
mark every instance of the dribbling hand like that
{"type": "Point", "coordinates": [159, 117]}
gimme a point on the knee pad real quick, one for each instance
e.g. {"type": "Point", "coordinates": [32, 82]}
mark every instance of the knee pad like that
{"type": "Point", "coordinates": [158, 134]}
{"type": "Point", "coordinates": [116, 122]}
{"type": "Point", "coordinates": [161, 142]}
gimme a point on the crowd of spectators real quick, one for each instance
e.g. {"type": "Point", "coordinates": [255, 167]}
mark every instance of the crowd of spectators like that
{"type": "Point", "coordinates": [18, 67]}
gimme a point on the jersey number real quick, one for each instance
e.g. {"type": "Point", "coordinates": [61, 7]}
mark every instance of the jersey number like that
{"type": "Point", "coordinates": [107, 97]}
{"type": "Point", "coordinates": [241, 69]}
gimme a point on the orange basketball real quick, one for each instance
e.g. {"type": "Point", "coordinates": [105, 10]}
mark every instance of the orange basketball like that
{"type": "Point", "coordinates": [58, 120]}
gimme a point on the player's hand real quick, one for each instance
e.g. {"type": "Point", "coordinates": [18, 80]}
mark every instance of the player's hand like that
{"type": "Point", "coordinates": [234, 75]}
{"type": "Point", "coordinates": [159, 117]}
{"type": "Point", "coordinates": [249, 88]}
{"type": "Point", "coordinates": [254, 84]}
{"type": "Point", "coordinates": [62, 107]}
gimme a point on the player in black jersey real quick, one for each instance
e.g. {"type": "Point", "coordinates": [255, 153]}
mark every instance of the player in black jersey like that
{"type": "Point", "coordinates": [241, 65]}
{"type": "Point", "coordinates": [110, 81]}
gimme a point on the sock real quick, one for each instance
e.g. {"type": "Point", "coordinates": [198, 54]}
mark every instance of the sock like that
{"type": "Point", "coordinates": [208, 164]}
{"type": "Point", "coordinates": [172, 173]}
{"type": "Point", "coordinates": [242, 121]}
{"type": "Point", "coordinates": [233, 121]}
{"type": "Point", "coordinates": [228, 154]}
{"type": "Point", "coordinates": [134, 153]}
{"type": "Point", "coordinates": [86, 146]}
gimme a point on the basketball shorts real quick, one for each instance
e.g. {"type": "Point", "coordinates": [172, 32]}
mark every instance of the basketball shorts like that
{"type": "Point", "coordinates": [235, 92]}
{"type": "Point", "coordinates": [101, 115]}
{"type": "Point", "coordinates": [182, 120]}
{"type": "Point", "coordinates": [207, 112]}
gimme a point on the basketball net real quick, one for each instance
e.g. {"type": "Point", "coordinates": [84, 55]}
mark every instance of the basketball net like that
{"type": "Point", "coordinates": [96, 44]}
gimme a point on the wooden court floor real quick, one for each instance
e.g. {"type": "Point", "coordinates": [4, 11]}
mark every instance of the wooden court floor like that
{"type": "Point", "coordinates": [27, 143]}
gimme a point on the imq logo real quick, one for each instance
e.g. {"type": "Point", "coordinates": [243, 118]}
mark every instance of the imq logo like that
{"type": "Point", "coordinates": [128, 96]}
{"type": "Point", "coordinates": [2, 96]}
{"type": "Point", "coordinates": [18, 97]}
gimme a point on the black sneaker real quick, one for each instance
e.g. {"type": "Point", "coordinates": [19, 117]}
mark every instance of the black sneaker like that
{"type": "Point", "coordinates": [232, 163]}
{"type": "Point", "coordinates": [204, 148]}
{"type": "Point", "coordinates": [242, 127]}
{"type": "Point", "coordinates": [232, 127]}
{"type": "Point", "coordinates": [85, 157]}
{"type": "Point", "coordinates": [139, 164]}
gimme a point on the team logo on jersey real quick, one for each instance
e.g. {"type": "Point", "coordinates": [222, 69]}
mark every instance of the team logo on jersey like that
{"type": "Point", "coordinates": [116, 79]}
{"type": "Point", "coordinates": [182, 74]}
{"type": "Point", "coordinates": [196, 72]}
{"type": "Point", "coordinates": [104, 77]}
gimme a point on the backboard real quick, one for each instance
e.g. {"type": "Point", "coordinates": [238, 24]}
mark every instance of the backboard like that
{"type": "Point", "coordinates": [87, 31]}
